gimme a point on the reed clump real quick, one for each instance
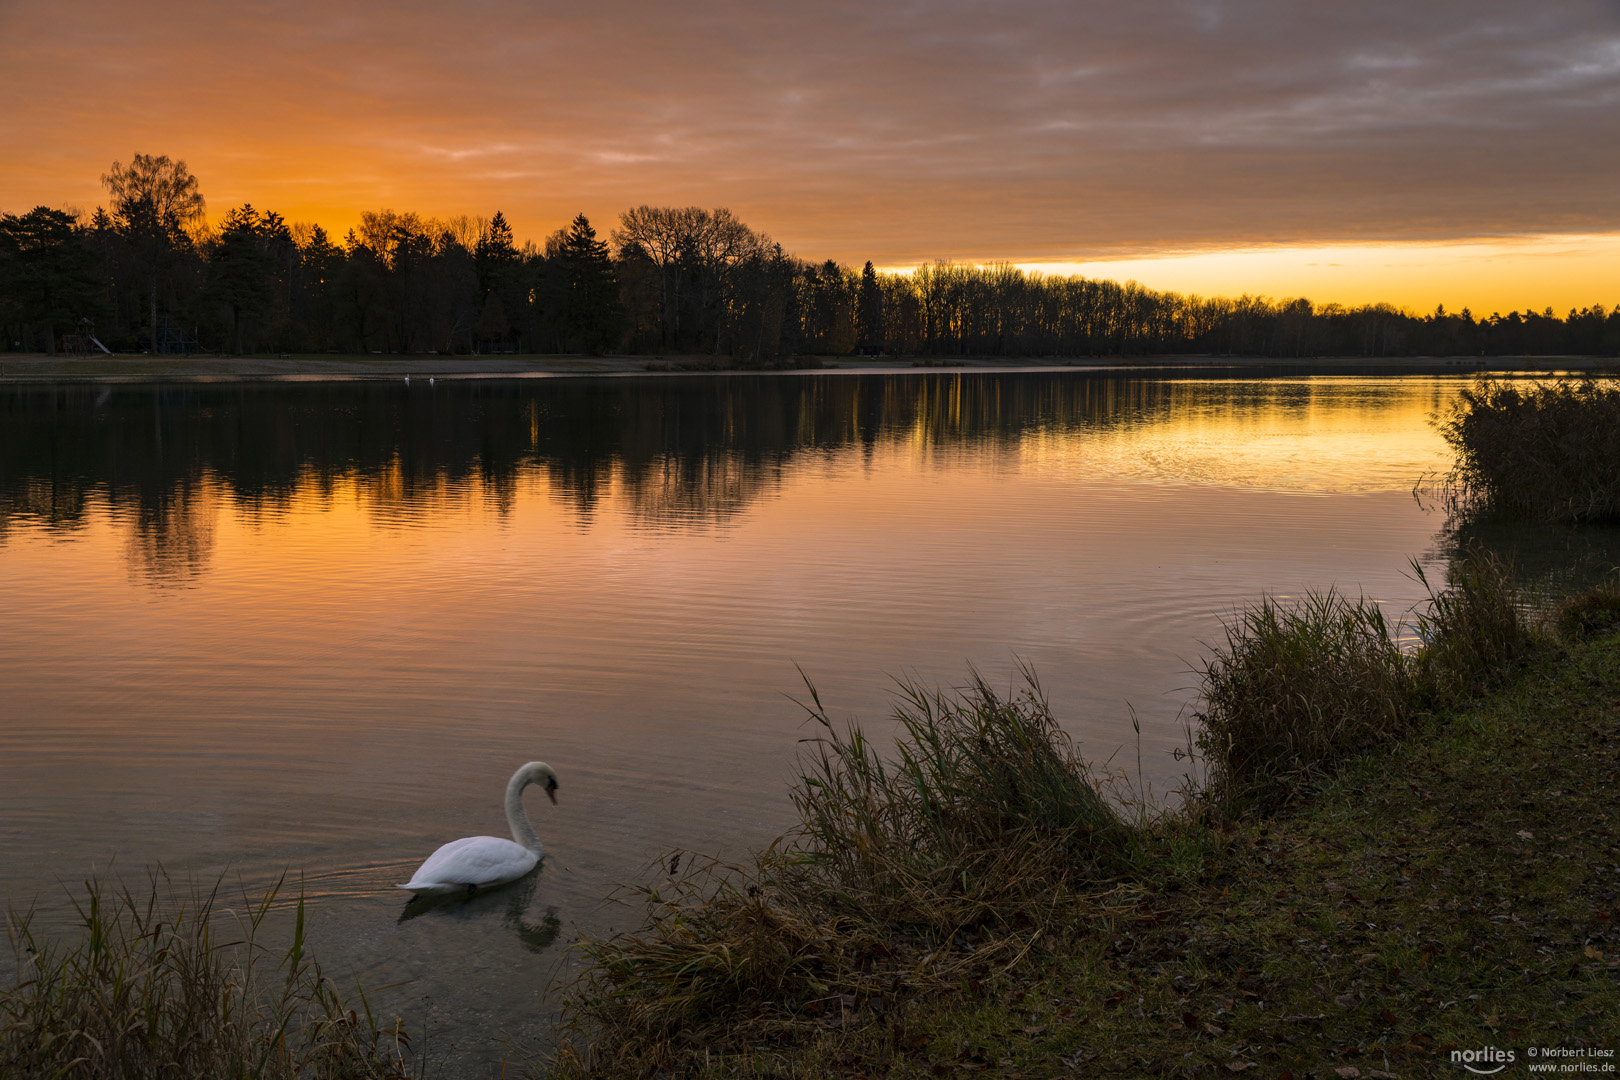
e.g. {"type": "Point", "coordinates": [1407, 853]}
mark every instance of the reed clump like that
{"type": "Point", "coordinates": [1549, 451]}
{"type": "Point", "coordinates": [1472, 631]}
{"type": "Point", "coordinates": [1590, 614]}
{"type": "Point", "coordinates": [157, 986]}
{"type": "Point", "coordinates": [985, 809]}
{"type": "Point", "coordinates": [1299, 688]}
{"type": "Point", "coordinates": [954, 851]}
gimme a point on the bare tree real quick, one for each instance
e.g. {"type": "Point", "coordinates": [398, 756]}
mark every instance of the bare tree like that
{"type": "Point", "coordinates": [155, 201]}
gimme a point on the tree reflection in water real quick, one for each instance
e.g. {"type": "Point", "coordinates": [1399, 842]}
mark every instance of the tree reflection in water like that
{"type": "Point", "coordinates": [166, 461]}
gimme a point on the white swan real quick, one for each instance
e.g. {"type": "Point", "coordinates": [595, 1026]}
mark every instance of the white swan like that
{"type": "Point", "coordinates": [477, 862]}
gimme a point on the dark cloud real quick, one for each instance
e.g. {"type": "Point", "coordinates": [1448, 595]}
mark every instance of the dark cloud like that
{"type": "Point", "coordinates": [903, 131]}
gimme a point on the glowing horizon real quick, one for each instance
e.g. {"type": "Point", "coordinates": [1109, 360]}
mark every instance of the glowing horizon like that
{"type": "Point", "coordinates": [1486, 276]}
{"type": "Point", "coordinates": [1349, 154]}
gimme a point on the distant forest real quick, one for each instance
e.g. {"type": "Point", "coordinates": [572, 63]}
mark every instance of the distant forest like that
{"type": "Point", "coordinates": [149, 272]}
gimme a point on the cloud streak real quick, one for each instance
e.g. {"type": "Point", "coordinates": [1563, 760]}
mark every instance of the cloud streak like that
{"type": "Point", "coordinates": [899, 131]}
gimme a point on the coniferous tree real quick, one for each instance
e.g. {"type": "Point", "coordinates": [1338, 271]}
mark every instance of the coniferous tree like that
{"type": "Point", "coordinates": [46, 270]}
{"type": "Point", "coordinates": [591, 312]}
{"type": "Point", "coordinates": [870, 310]}
{"type": "Point", "coordinates": [242, 267]}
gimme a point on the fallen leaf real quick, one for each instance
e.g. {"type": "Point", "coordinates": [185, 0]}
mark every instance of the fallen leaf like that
{"type": "Point", "coordinates": [1349, 1072]}
{"type": "Point", "coordinates": [1594, 953]}
{"type": "Point", "coordinates": [1388, 1017]}
{"type": "Point", "coordinates": [1346, 1001]}
{"type": "Point", "coordinates": [1239, 1066]}
{"type": "Point", "coordinates": [1190, 1020]}
{"type": "Point", "coordinates": [1525, 834]}
{"type": "Point", "coordinates": [1215, 1030]}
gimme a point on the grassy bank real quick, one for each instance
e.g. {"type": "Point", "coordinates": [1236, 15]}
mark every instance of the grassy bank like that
{"type": "Point", "coordinates": [1453, 890]}
{"type": "Point", "coordinates": [1414, 869]}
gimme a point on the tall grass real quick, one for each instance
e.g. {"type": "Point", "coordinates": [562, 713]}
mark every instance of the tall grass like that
{"type": "Point", "coordinates": [1295, 690]}
{"type": "Point", "coordinates": [1472, 630]}
{"type": "Point", "coordinates": [985, 807]}
{"type": "Point", "coordinates": [158, 986]}
{"type": "Point", "coordinates": [974, 831]}
{"type": "Point", "coordinates": [1549, 451]}
{"type": "Point", "coordinates": [1298, 689]}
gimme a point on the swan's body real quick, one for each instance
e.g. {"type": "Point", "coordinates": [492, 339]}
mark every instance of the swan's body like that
{"type": "Point", "coordinates": [478, 862]}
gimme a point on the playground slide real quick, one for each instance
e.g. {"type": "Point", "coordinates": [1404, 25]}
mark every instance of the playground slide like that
{"type": "Point", "coordinates": [100, 346]}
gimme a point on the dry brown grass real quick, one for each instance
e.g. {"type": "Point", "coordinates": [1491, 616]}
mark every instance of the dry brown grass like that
{"type": "Point", "coordinates": [953, 852]}
{"type": "Point", "coordinates": [160, 985]}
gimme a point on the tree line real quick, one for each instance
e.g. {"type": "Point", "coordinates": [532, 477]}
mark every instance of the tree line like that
{"type": "Point", "coordinates": [149, 272]}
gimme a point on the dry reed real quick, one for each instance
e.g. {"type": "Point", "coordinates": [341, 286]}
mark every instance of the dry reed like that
{"type": "Point", "coordinates": [1549, 451]}
{"type": "Point", "coordinates": [159, 986]}
{"type": "Point", "coordinates": [956, 850]}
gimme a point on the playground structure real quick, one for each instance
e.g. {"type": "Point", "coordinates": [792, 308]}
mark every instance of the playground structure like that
{"type": "Point", "coordinates": [172, 339]}
{"type": "Point", "coordinates": [84, 341]}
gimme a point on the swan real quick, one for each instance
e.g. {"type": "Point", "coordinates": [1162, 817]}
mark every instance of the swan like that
{"type": "Point", "coordinates": [476, 862]}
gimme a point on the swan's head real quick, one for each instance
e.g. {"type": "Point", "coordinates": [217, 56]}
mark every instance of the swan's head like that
{"type": "Point", "coordinates": [537, 772]}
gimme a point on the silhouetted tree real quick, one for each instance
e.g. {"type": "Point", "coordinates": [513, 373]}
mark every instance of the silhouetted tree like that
{"type": "Point", "coordinates": [591, 307]}
{"type": "Point", "coordinates": [242, 268]}
{"type": "Point", "coordinates": [154, 201]}
{"type": "Point", "coordinates": [869, 312]}
{"type": "Point", "coordinates": [47, 271]}
{"type": "Point", "coordinates": [502, 287]}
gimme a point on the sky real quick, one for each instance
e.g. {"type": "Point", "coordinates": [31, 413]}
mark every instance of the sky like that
{"type": "Point", "coordinates": [1464, 152]}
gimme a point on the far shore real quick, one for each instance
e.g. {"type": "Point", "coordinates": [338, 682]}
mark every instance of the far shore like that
{"type": "Point", "coordinates": [23, 368]}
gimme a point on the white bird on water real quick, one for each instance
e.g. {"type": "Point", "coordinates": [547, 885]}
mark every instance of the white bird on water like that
{"type": "Point", "coordinates": [478, 862]}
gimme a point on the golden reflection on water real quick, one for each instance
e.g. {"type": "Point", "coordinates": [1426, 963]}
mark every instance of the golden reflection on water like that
{"type": "Point", "coordinates": [1305, 435]}
{"type": "Point", "coordinates": [307, 625]}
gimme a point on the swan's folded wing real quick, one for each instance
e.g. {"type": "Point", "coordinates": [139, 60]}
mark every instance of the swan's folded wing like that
{"type": "Point", "coordinates": [473, 860]}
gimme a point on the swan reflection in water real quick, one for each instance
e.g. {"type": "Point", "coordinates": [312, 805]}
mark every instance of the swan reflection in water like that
{"type": "Point", "coordinates": [514, 900]}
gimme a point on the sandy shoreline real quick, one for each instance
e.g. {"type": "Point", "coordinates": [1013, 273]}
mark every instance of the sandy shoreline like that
{"type": "Point", "coordinates": [23, 368]}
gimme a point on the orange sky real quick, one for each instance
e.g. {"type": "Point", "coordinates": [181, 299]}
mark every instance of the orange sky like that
{"type": "Point", "coordinates": [1449, 151]}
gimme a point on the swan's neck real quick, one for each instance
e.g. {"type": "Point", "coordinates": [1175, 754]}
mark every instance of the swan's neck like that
{"type": "Point", "coordinates": [522, 831]}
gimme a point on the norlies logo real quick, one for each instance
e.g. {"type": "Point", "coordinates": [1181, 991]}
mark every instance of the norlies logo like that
{"type": "Point", "coordinates": [1484, 1062]}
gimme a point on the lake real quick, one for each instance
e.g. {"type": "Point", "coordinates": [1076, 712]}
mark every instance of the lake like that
{"type": "Point", "coordinates": [312, 627]}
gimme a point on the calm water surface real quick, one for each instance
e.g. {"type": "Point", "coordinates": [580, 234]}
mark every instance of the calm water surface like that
{"type": "Point", "coordinates": [314, 627]}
